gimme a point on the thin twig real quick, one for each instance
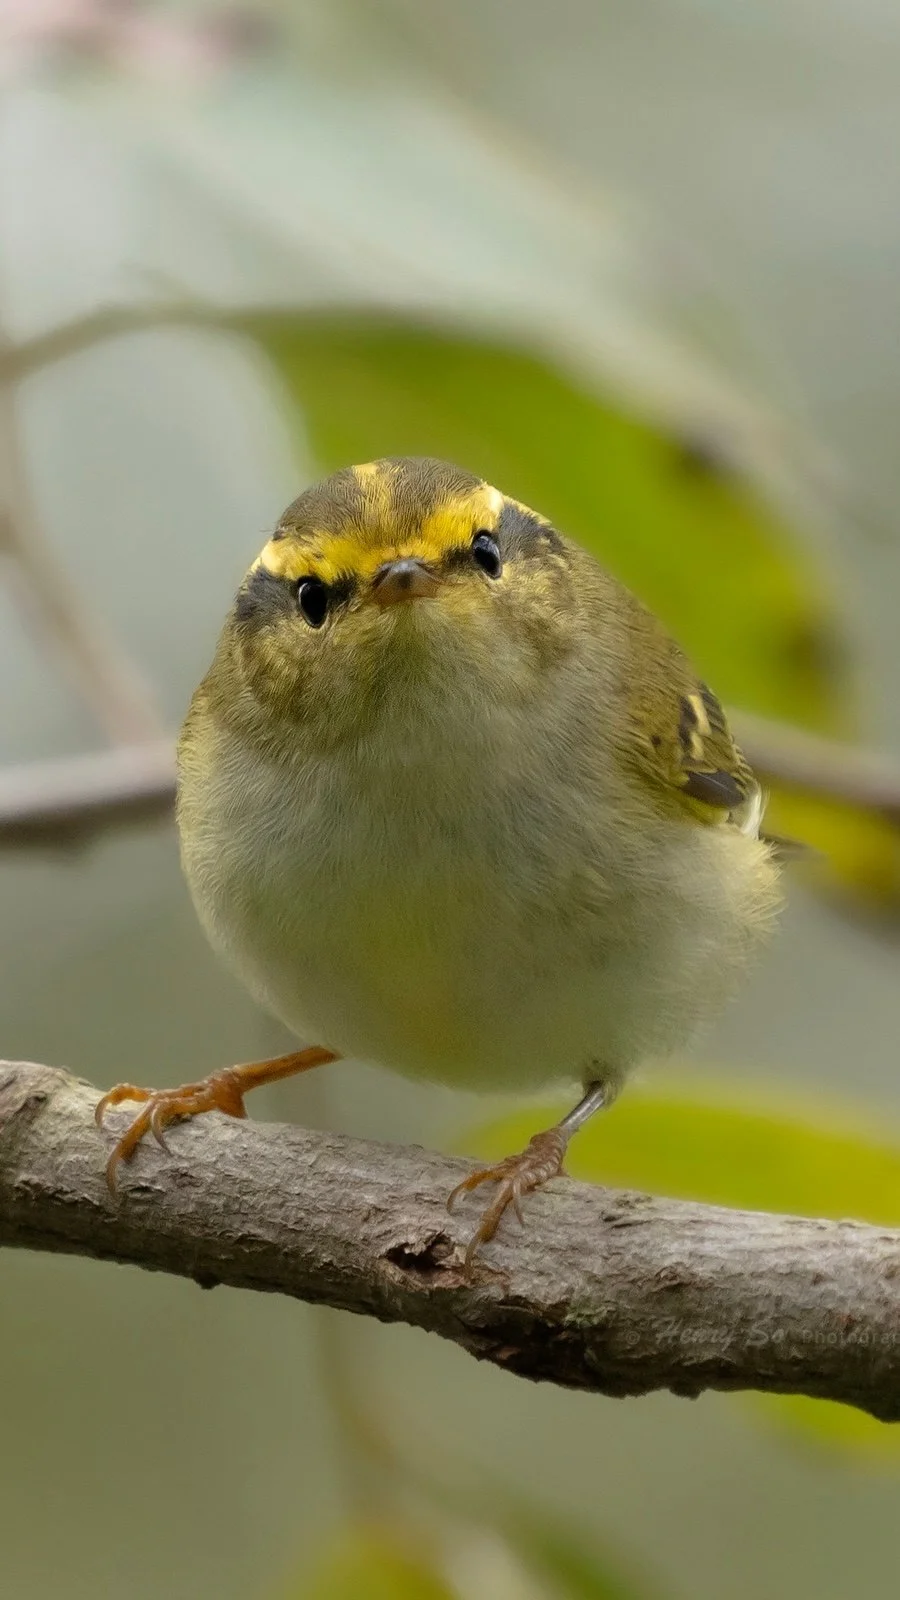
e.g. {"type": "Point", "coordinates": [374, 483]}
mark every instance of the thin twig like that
{"type": "Point", "coordinates": [108, 681]}
{"type": "Point", "coordinates": [67, 801]}
{"type": "Point", "coordinates": [601, 1290]}
{"type": "Point", "coordinates": [781, 753]}
{"type": "Point", "coordinates": [97, 327]}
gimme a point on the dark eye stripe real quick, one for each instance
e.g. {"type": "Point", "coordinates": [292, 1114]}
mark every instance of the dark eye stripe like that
{"type": "Point", "coordinates": [343, 588]}
{"type": "Point", "coordinates": [265, 596]}
{"type": "Point", "coordinates": [460, 556]}
{"type": "Point", "coordinates": [522, 534]}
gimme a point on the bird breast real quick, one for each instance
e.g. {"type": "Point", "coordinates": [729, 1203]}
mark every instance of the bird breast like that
{"type": "Point", "coordinates": [483, 918]}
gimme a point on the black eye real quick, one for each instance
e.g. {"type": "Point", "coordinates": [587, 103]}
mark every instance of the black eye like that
{"type": "Point", "coordinates": [486, 553]}
{"type": "Point", "coordinates": [313, 598]}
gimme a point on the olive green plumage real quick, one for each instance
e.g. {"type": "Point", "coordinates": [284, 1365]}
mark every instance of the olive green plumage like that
{"type": "Point", "coordinates": [453, 800]}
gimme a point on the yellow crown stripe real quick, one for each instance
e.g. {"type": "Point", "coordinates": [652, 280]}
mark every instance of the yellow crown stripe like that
{"type": "Point", "coordinates": [376, 479]}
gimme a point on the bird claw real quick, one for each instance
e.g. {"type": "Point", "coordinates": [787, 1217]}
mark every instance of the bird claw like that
{"type": "Point", "coordinates": [113, 1097]}
{"type": "Point", "coordinates": [159, 1117]}
{"type": "Point", "coordinates": [515, 1176]}
{"type": "Point", "coordinates": [160, 1107]}
{"type": "Point", "coordinates": [221, 1091]}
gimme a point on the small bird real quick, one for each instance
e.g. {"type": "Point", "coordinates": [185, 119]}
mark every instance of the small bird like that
{"type": "Point", "coordinates": [451, 799]}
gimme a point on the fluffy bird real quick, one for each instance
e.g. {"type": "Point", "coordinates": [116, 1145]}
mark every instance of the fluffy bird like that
{"type": "Point", "coordinates": [451, 799]}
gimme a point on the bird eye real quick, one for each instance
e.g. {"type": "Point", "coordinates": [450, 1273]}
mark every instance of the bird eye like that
{"type": "Point", "coordinates": [486, 553]}
{"type": "Point", "coordinates": [312, 599]}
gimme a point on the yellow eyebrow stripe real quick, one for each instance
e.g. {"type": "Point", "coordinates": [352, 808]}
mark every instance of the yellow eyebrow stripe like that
{"type": "Point", "coordinates": [361, 550]}
{"type": "Point", "coordinates": [455, 521]}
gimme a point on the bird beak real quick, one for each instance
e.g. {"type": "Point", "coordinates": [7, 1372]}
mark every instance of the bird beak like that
{"type": "Point", "coordinates": [403, 579]}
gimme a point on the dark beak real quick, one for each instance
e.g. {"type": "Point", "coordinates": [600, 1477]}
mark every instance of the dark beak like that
{"type": "Point", "coordinates": [404, 579]}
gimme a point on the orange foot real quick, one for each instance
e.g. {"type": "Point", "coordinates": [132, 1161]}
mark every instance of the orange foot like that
{"type": "Point", "coordinates": [222, 1091]}
{"type": "Point", "coordinates": [516, 1177]}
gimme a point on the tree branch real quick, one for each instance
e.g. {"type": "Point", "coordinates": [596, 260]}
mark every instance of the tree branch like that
{"type": "Point", "coordinates": [64, 802]}
{"type": "Point", "coordinates": [602, 1290]}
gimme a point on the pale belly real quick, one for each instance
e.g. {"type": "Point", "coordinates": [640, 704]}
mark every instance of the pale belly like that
{"type": "Point", "coordinates": [461, 944]}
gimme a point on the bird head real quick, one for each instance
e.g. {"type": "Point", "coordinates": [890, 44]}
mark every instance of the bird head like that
{"type": "Point", "coordinates": [403, 588]}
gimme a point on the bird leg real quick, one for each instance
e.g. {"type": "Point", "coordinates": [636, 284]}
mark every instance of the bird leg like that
{"type": "Point", "coordinates": [518, 1175]}
{"type": "Point", "coordinates": [221, 1091]}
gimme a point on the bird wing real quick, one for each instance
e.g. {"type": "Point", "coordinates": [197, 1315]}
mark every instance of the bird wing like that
{"type": "Point", "coordinates": [682, 744]}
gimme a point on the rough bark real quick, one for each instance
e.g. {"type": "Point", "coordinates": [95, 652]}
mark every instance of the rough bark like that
{"type": "Point", "coordinates": [603, 1290]}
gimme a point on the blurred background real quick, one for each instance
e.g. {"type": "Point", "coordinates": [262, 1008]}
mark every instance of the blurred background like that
{"type": "Point", "coordinates": [638, 265]}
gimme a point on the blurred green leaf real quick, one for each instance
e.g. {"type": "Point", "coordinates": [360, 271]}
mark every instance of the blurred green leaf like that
{"type": "Point", "coordinates": [557, 1554]}
{"type": "Point", "coordinates": [670, 518]}
{"type": "Point", "coordinates": [381, 1561]}
{"type": "Point", "coordinates": [669, 514]}
{"type": "Point", "coordinates": [375, 1563]}
{"type": "Point", "coordinates": [823, 1425]}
